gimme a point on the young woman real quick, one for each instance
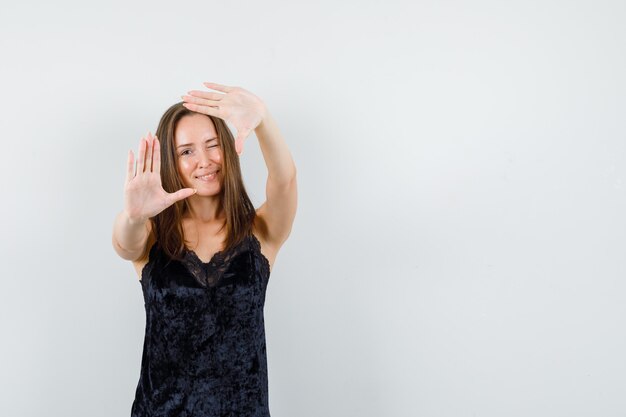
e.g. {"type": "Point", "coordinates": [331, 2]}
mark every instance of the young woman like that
{"type": "Point", "coordinates": [203, 254]}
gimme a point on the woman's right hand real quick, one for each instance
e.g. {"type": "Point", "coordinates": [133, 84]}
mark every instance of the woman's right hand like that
{"type": "Point", "coordinates": [144, 196]}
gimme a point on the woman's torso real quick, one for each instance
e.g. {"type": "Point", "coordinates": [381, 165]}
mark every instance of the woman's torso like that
{"type": "Point", "coordinates": [204, 351]}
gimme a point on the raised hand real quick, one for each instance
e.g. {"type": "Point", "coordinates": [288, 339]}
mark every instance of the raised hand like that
{"type": "Point", "coordinates": [144, 196]}
{"type": "Point", "coordinates": [241, 108]}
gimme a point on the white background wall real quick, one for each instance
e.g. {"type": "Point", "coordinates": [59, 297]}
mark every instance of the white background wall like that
{"type": "Point", "coordinates": [460, 237]}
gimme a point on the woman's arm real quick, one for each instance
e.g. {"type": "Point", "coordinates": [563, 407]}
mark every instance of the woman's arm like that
{"type": "Point", "coordinates": [129, 237]}
{"type": "Point", "coordinates": [247, 112]}
{"type": "Point", "coordinates": [279, 210]}
{"type": "Point", "coordinates": [144, 198]}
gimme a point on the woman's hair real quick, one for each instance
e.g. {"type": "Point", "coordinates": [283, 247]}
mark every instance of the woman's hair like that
{"type": "Point", "coordinates": [234, 200]}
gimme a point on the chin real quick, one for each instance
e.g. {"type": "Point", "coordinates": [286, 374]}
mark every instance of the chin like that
{"type": "Point", "coordinates": [207, 193]}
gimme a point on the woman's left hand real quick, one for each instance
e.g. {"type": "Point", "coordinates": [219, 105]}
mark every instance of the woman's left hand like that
{"type": "Point", "coordinates": [241, 108]}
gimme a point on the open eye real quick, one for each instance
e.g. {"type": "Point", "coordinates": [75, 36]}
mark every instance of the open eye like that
{"type": "Point", "coordinates": [183, 152]}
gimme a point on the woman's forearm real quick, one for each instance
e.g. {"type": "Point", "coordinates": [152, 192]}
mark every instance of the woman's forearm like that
{"type": "Point", "coordinates": [280, 165]}
{"type": "Point", "coordinates": [130, 235]}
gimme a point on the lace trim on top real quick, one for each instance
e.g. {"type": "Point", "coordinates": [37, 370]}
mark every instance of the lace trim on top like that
{"type": "Point", "coordinates": [208, 274]}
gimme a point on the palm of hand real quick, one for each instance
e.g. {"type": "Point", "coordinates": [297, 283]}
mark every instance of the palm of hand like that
{"type": "Point", "coordinates": [144, 196]}
{"type": "Point", "coordinates": [239, 107]}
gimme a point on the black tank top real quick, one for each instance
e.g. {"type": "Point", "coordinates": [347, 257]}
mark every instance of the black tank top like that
{"type": "Point", "coordinates": [204, 347]}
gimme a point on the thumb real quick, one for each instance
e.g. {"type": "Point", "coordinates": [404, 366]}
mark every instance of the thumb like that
{"type": "Point", "coordinates": [181, 195]}
{"type": "Point", "coordinates": [239, 143]}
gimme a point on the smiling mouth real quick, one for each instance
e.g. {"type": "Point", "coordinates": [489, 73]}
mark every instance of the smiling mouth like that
{"type": "Point", "coordinates": [209, 177]}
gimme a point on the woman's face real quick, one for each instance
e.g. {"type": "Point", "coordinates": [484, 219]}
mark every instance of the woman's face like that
{"type": "Point", "coordinates": [198, 154]}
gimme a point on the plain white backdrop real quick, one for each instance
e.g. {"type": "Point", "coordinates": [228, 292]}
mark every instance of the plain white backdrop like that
{"type": "Point", "coordinates": [459, 247]}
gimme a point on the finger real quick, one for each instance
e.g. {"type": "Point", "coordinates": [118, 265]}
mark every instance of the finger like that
{"type": "Point", "coordinates": [206, 94]}
{"type": "Point", "coordinates": [219, 87]}
{"type": "Point", "coordinates": [130, 167]}
{"type": "Point", "coordinates": [211, 111]}
{"type": "Point", "coordinates": [180, 195]}
{"type": "Point", "coordinates": [243, 133]}
{"type": "Point", "coordinates": [156, 158]}
{"type": "Point", "coordinates": [150, 145]}
{"type": "Point", "coordinates": [200, 101]}
{"type": "Point", "coordinates": [141, 156]}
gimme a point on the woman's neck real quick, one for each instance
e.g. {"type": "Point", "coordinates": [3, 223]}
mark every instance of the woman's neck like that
{"type": "Point", "coordinates": [204, 210]}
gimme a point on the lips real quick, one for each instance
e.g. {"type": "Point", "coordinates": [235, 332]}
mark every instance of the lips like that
{"type": "Point", "coordinates": [207, 173]}
{"type": "Point", "coordinates": [208, 177]}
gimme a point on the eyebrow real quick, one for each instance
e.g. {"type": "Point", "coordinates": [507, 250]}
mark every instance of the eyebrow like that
{"type": "Point", "coordinates": [189, 144]}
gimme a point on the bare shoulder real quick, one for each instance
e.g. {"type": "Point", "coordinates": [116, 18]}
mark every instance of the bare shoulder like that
{"type": "Point", "coordinates": [140, 263]}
